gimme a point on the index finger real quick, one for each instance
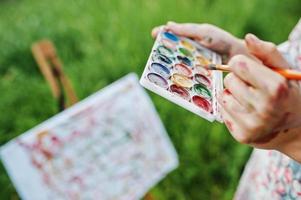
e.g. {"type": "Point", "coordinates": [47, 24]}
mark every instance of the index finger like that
{"type": "Point", "coordinates": [255, 74]}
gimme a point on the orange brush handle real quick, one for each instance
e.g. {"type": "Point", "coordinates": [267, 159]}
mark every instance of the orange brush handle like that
{"type": "Point", "coordinates": [288, 73]}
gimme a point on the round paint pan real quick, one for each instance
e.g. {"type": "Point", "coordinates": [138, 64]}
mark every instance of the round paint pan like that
{"type": "Point", "coordinates": [181, 80]}
{"type": "Point", "coordinates": [158, 80]}
{"type": "Point", "coordinates": [170, 36]}
{"type": "Point", "coordinates": [185, 52]}
{"type": "Point", "coordinates": [202, 60]}
{"type": "Point", "coordinates": [183, 69]}
{"type": "Point", "coordinates": [186, 44]}
{"type": "Point", "coordinates": [185, 60]}
{"type": "Point", "coordinates": [207, 54]}
{"type": "Point", "coordinates": [200, 78]}
{"type": "Point", "coordinates": [169, 44]}
{"type": "Point", "coordinates": [202, 103]}
{"type": "Point", "coordinates": [160, 69]}
{"type": "Point", "coordinates": [180, 91]}
{"type": "Point", "coordinates": [162, 58]}
{"type": "Point", "coordinates": [165, 51]}
{"type": "Point", "coordinates": [202, 90]}
{"type": "Point", "coordinates": [202, 70]}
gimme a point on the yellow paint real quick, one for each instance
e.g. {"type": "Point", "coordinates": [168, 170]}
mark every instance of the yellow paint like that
{"type": "Point", "coordinates": [181, 80]}
{"type": "Point", "coordinates": [187, 45]}
{"type": "Point", "coordinates": [202, 60]}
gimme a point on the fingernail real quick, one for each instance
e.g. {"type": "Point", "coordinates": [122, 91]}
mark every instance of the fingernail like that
{"type": "Point", "coordinates": [252, 38]}
{"type": "Point", "coordinates": [170, 23]}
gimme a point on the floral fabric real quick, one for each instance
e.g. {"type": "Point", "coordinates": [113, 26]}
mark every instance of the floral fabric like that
{"type": "Point", "coordinates": [271, 174]}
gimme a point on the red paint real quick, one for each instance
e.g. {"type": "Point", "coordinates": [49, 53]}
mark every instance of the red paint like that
{"type": "Point", "coordinates": [227, 92]}
{"type": "Point", "coordinates": [180, 91]}
{"type": "Point", "coordinates": [282, 91]}
{"type": "Point", "coordinates": [202, 103]}
{"type": "Point", "coordinates": [183, 69]}
{"type": "Point", "coordinates": [229, 125]}
{"type": "Point", "coordinates": [243, 65]}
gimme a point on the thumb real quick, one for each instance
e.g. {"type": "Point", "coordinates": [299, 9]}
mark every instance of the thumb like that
{"type": "Point", "coordinates": [186, 29]}
{"type": "Point", "coordinates": [265, 51]}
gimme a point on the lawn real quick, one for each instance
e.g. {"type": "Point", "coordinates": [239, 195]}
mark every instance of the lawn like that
{"type": "Point", "coordinates": [100, 41]}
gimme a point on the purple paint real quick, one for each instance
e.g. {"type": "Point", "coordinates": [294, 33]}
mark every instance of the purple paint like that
{"type": "Point", "coordinates": [158, 80]}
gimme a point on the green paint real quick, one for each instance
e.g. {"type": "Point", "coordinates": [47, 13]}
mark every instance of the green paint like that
{"type": "Point", "coordinates": [185, 52]}
{"type": "Point", "coordinates": [202, 90]}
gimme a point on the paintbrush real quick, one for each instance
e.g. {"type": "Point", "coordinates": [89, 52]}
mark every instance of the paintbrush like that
{"type": "Point", "coordinates": [287, 73]}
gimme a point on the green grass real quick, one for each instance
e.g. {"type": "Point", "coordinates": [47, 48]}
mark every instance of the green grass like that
{"type": "Point", "coordinates": [101, 41]}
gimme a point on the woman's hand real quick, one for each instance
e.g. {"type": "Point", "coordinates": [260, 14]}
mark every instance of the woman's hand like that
{"type": "Point", "coordinates": [209, 36]}
{"type": "Point", "coordinates": [260, 107]}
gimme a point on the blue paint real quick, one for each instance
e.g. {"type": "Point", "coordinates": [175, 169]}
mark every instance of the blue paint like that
{"type": "Point", "coordinates": [160, 69]}
{"type": "Point", "coordinates": [185, 60]}
{"type": "Point", "coordinates": [171, 36]}
{"type": "Point", "coordinates": [162, 58]}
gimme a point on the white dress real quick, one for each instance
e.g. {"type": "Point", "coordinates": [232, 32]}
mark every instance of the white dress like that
{"type": "Point", "coordinates": [271, 174]}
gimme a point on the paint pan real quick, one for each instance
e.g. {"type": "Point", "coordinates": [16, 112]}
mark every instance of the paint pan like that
{"type": "Point", "coordinates": [185, 60]}
{"type": "Point", "coordinates": [205, 53]}
{"type": "Point", "coordinates": [181, 80]}
{"type": "Point", "coordinates": [157, 57]}
{"type": "Point", "coordinates": [165, 51]}
{"type": "Point", "coordinates": [202, 60]}
{"type": "Point", "coordinates": [158, 80]}
{"type": "Point", "coordinates": [185, 52]}
{"type": "Point", "coordinates": [187, 45]}
{"type": "Point", "coordinates": [169, 44]}
{"type": "Point", "coordinates": [180, 91]}
{"type": "Point", "coordinates": [201, 70]}
{"type": "Point", "coordinates": [202, 103]}
{"type": "Point", "coordinates": [182, 69]}
{"type": "Point", "coordinates": [170, 36]}
{"type": "Point", "coordinates": [160, 69]}
{"type": "Point", "coordinates": [200, 78]}
{"type": "Point", "coordinates": [202, 90]}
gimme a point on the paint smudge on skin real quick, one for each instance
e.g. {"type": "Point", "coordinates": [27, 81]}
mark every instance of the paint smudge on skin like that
{"type": "Point", "coordinates": [229, 125]}
{"type": "Point", "coordinates": [242, 65]}
{"type": "Point", "coordinates": [286, 130]}
{"type": "Point", "coordinates": [227, 92]}
{"type": "Point", "coordinates": [207, 39]}
{"type": "Point", "coordinates": [282, 91]}
{"type": "Point", "coordinates": [267, 138]}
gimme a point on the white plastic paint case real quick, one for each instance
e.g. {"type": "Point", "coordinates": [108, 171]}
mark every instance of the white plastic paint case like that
{"type": "Point", "coordinates": [175, 51]}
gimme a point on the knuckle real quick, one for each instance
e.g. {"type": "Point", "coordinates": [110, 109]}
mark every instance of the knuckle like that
{"type": "Point", "coordinates": [271, 47]}
{"type": "Point", "coordinates": [279, 90]}
{"type": "Point", "coordinates": [243, 138]}
{"type": "Point", "coordinates": [237, 58]}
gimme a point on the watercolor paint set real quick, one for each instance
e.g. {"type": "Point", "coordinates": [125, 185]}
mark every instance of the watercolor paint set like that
{"type": "Point", "coordinates": [175, 70]}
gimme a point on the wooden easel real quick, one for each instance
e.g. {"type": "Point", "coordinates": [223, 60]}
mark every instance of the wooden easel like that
{"type": "Point", "coordinates": [51, 67]}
